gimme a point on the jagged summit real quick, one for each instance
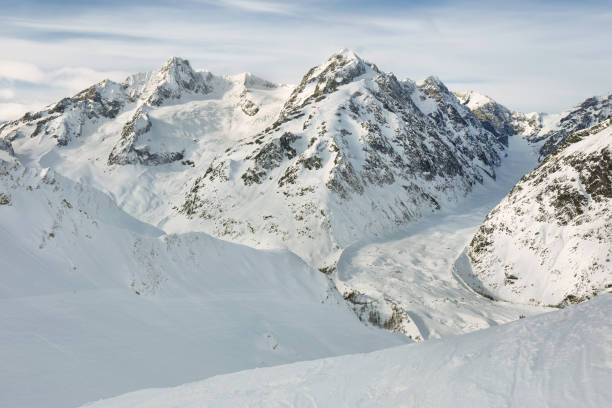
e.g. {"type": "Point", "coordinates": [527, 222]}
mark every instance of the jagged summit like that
{"type": "Point", "coordinates": [473, 99]}
{"type": "Point", "coordinates": [340, 68]}
{"type": "Point", "coordinates": [175, 78]}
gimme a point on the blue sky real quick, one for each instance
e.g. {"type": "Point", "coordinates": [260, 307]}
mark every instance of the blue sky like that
{"type": "Point", "coordinates": [543, 56]}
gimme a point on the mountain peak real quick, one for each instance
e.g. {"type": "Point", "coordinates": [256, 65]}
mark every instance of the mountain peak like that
{"type": "Point", "coordinates": [168, 82]}
{"type": "Point", "coordinates": [473, 99]}
{"type": "Point", "coordinates": [179, 71]}
{"type": "Point", "coordinates": [341, 68]}
{"type": "Point", "coordinates": [345, 60]}
{"type": "Point", "coordinates": [346, 53]}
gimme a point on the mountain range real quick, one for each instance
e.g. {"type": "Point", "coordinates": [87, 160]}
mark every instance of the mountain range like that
{"type": "Point", "coordinates": [294, 222]}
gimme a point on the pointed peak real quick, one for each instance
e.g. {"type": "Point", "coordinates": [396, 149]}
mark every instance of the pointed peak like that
{"type": "Point", "coordinates": [177, 68]}
{"type": "Point", "coordinates": [343, 63]}
{"type": "Point", "coordinates": [434, 84]}
{"type": "Point", "coordinates": [433, 80]}
{"type": "Point", "coordinates": [170, 81]}
{"type": "Point", "coordinates": [347, 54]}
{"type": "Point", "coordinates": [473, 99]}
{"type": "Point", "coordinates": [343, 57]}
{"type": "Point", "coordinates": [176, 62]}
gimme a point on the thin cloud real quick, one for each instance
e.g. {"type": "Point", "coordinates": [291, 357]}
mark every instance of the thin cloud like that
{"type": "Point", "coordinates": [530, 57]}
{"type": "Point", "coordinates": [284, 8]}
{"type": "Point", "coordinates": [20, 71]}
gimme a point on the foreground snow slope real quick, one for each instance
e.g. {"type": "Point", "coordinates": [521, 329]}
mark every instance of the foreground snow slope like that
{"type": "Point", "coordinates": [94, 303]}
{"type": "Point", "coordinates": [549, 241]}
{"type": "Point", "coordinates": [560, 359]}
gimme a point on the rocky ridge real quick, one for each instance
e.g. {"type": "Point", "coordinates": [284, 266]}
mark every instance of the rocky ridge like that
{"type": "Point", "coordinates": [549, 241]}
{"type": "Point", "coordinates": [354, 152]}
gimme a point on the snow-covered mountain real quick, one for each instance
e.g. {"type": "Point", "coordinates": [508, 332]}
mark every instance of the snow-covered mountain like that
{"type": "Point", "coordinates": [351, 152]}
{"type": "Point", "coordinates": [548, 131]}
{"type": "Point", "coordinates": [549, 241]}
{"type": "Point", "coordinates": [560, 359]}
{"type": "Point", "coordinates": [558, 127]}
{"type": "Point", "coordinates": [112, 203]}
{"type": "Point", "coordinates": [354, 153]}
{"type": "Point", "coordinates": [495, 117]}
{"type": "Point", "coordinates": [144, 139]}
{"type": "Point", "coordinates": [94, 302]}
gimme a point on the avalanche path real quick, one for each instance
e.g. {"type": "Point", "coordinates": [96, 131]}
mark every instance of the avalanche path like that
{"type": "Point", "coordinates": [412, 270]}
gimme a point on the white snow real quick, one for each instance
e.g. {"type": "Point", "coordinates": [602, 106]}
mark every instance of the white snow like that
{"type": "Point", "coordinates": [106, 288]}
{"type": "Point", "coordinates": [94, 303]}
{"type": "Point", "coordinates": [473, 99]}
{"type": "Point", "coordinates": [414, 267]}
{"type": "Point", "coordinates": [560, 359]}
{"type": "Point", "coordinates": [551, 237]}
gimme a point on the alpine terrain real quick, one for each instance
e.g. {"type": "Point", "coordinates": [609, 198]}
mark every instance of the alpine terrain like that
{"type": "Point", "coordinates": [182, 226]}
{"type": "Point", "coordinates": [549, 241]}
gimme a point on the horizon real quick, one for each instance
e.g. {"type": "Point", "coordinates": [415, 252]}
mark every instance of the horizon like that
{"type": "Point", "coordinates": [545, 57]}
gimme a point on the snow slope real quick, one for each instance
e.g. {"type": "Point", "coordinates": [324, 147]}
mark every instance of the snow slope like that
{"type": "Point", "coordinates": [549, 241]}
{"type": "Point", "coordinates": [94, 302]}
{"type": "Point", "coordinates": [142, 140]}
{"type": "Point", "coordinates": [560, 359]}
{"type": "Point", "coordinates": [405, 282]}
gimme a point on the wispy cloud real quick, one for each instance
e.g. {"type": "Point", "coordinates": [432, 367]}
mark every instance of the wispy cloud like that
{"type": "Point", "coordinates": [22, 71]}
{"type": "Point", "coordinates": [284, 8]}
{"type": "Point", "coordinates": [545, 56]}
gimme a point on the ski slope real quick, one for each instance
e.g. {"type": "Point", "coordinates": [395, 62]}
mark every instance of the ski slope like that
{"type": "Point", "coordinates": [559, 359]}
{"type": "Point", "coordinates": [413, 269]}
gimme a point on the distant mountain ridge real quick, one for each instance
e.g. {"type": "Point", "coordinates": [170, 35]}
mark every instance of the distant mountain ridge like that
{"type": "Point", "coordinates": [547, 130]}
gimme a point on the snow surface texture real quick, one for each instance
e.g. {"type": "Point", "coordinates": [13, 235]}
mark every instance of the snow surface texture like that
{"type": "Point", "coordinates": [549, 241]}
{"type": "Point", "coordinates": [406, 282]}
{"type": "Point", "coordinates": [94, 303]}
{"type": "Point", "coordinates": [560, 359]}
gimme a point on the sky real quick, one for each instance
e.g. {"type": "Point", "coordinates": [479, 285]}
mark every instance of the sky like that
{"type": "Point", "coordinates": [530, 56]}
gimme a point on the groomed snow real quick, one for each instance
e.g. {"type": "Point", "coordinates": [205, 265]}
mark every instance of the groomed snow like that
{"type": "Point", "coordinates": [560, 359]}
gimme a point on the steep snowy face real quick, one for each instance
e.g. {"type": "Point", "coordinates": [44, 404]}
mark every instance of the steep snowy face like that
{"type": "Point", "coordinates": [175, 80]}
{"type": "Point", "coordinates": [550, 239]}
{"type": "Point", "coordinates": [353, 153]}
{"type": "Point", "coordinates": [495, 117]}
{"type": "Point", "coordinates": [71, 117]}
